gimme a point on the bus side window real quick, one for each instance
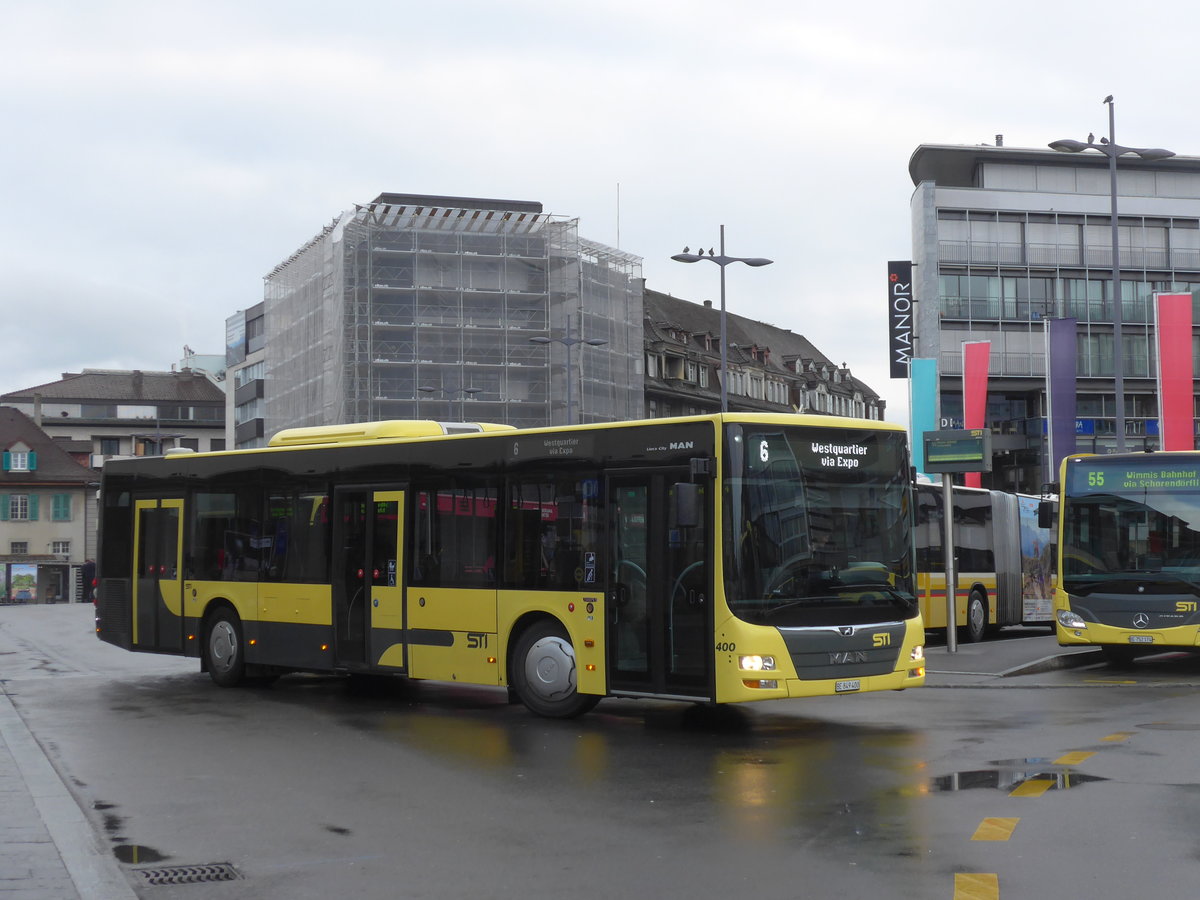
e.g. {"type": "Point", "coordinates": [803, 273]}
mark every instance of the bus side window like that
{"type": "Point", "coordinates": [552, 533]}
{"type": "Point", "coordinates": [455, 537]}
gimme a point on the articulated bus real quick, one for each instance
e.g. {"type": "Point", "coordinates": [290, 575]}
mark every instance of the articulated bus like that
{"type": "Point", "coordinates": [715, 559]}
{"type": "Point", "coordinates": [1129, 576]}
{"type": "Point", "coordinates": [1005, 560]}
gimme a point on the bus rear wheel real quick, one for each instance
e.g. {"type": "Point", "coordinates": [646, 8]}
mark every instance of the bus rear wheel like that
{"type": "Point", "coordinates": [977, 618]}
{"type": "Point", "coordinates": [544, 673]}
{"type": "Point", "coordinates": [223, 648]}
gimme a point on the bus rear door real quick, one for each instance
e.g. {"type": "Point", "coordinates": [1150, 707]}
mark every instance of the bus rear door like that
{"type": "Point", "coordinates": [659, 628]}
{"type": "Point", "coordinates": [157, 586]}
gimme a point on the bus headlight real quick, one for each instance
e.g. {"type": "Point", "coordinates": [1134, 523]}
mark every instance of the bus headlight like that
{"type": "Point", "coordinates": [918, 652]}
{"type": "Point", "coordinates": [757, 663]}
{"type": "Point", "coordinates": [1069, 619]}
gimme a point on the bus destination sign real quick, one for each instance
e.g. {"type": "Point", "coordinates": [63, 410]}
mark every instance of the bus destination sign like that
{"type": "Point", "coordinates": [1110, 478]}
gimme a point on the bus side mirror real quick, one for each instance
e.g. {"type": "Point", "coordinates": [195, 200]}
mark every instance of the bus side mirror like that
{"type": "Point", "coordinates": [687, 505]}
{"type": "Point", "coordinates": [1046, 514]}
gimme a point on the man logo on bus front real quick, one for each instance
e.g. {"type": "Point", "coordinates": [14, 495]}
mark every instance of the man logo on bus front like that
{"type": "Point", "coordinates": [1141, 620]}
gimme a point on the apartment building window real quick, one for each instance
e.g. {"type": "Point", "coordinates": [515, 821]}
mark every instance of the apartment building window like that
{"type": "Point", "coordinates": [60, 547]}
{"type": "Point", "coordinates": [19, 508]}
{"type": "Point", "coordinates": [19, 548]}
{"type": "Point", "coordinates": [108, 446]}
{"type": "Point", "coordinates": [60, 508]}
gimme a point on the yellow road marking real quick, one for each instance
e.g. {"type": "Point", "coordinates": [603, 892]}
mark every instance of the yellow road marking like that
{"type": "Point", "coordinates": [976, 886]}
{"type": "Point", "coordinates": [1073, 759]}
{"type": "Point", "coordinates": [1034, 787]}
{"type": "Point", "coordinates": [1118, 736]}
{"type": "Point", "coordinates": [993, 829]}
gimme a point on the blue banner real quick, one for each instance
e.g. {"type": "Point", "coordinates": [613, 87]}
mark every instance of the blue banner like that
{"type": "Point", "coordinates": [922, 405]}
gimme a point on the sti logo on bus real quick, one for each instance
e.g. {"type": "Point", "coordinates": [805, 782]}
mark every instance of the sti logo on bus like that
{"type": "Point", "coordinates": [1185, 606]}
{"type": "Point", "coordinates": [882, 639]}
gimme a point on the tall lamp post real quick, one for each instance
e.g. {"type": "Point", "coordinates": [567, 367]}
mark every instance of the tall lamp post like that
{"type": "Point", "coordinates": [465, 392]}
{"type": "Point", "coordinates": [1110, 148]}
{"type": "Point", "coordinates": [722, 260]}
{"type": "Point", "coordinates": [569, 342]}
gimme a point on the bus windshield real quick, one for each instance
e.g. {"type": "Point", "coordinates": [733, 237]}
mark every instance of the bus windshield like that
{"type": "Point", "coordinates": [819, 526]}
{"type": "Point", "coordinates": [1132, 519]}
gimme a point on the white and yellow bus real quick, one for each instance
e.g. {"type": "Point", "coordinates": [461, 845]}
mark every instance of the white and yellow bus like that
{"type": "Point", "coordinates": [713, 559]}
{"type": "Point", "coordinates": [1129, 577]}
{"type": "Point", "coordinates": [1005, 560]}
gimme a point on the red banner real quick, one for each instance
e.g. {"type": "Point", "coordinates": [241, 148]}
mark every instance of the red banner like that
{"type": "Point", "coordinates": [1173, 322]}
{"type": "Point", "coordinates": [975, 376]}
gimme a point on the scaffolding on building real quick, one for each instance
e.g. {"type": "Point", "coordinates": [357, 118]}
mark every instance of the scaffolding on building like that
{"type": "Point", "coordinates": [424, 308]}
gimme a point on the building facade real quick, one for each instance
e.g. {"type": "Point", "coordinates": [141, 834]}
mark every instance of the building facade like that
{"type": "Point", "coordinates": [47, 516]}
{"type": "Point", "coordinates": [98, 413]}
{"type": "Point", "coordinates": [770, 369]}
{"type": "Point", "coordinates": [246, 377]}
{"type": "Point", "coordinates": [1005, 239]}
{"type": "Point", "coordinates": [447, 308]}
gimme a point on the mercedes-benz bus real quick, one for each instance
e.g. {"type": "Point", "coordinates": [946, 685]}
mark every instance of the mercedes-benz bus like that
{"type": "Point", "coordinates": [1129, 577]}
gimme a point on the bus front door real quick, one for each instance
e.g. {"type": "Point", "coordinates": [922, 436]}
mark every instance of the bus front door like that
{"type": "Point", "coordinates": [158, 586]}
{"type": "Point", "coordinates": [659, 628]}
{"type": "Point", "coordinates": [368, 608]}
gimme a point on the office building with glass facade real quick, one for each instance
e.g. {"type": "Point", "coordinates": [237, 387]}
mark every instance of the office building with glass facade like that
{"type": "Point", "coordinates": [1005, 239]}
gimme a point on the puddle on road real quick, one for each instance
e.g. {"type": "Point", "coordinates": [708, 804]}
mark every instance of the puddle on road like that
{"type": "Point", "coordinates": [136, 854]}
{"type": "Point", "coordinates": [1170, 726]}
{"type": "Point", "coordinates": [1008, 774]}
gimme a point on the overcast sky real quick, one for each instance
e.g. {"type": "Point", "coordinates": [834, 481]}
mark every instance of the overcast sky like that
{"type": "Point", "coordinates": [159, 158]}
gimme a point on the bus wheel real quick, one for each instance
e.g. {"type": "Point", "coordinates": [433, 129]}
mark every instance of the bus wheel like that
{"type": "Point", "coordinates": [544, 674]}
{"type": "Point", "coordinates": [977, 616]}
{"type": "Point", "coordinates": [223, 646]}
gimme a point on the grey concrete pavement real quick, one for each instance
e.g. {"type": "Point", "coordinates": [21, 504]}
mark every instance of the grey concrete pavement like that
{"type": "Point", "coordinates": [1002, 658]}
{"type": "Point", "coordinates": [48, 848]}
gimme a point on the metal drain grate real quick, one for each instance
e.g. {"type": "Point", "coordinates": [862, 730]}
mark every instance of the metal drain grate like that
{"type": "Point", "coordinates": [189, 874]}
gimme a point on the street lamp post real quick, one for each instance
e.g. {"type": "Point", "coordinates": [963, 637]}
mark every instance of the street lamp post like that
{"type": "Point", "coordinates": [1110, 148]}
{"type": "Point", "coordinates": [569, 342]}
{"type": "Point", "coordinates": [465, 392]}
{"type": "Point", "coordinates": [722, 260]}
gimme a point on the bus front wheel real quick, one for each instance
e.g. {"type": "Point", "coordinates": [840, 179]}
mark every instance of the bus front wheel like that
{"type": "Point", "coordinates": [977, 618]}
{"type": "Point", "coordinates": [544, 673]}
{"type": "Point", "coordinates": [224, 649]}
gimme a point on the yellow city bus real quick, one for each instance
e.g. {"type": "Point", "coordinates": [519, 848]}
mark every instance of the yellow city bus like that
{"type": "Point", "coordinates": [1129, 576]}
{"type": "Point", "coordinates": [714, 559]}
{"type": "Point", "coordinates": [1005, 560]}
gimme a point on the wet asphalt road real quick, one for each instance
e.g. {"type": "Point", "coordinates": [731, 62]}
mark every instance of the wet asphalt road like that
{"type": "Point", "coordinates": [1082, 782]}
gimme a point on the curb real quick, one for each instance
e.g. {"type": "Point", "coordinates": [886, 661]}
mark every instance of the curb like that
{"type": "Point", "coordinates": [91, 867]}
{"type": "Point", "coordinates": [1073, 660]}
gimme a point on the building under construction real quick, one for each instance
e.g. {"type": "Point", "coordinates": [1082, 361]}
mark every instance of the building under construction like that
{"type": "Point", "coordinates": [451, 308]}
